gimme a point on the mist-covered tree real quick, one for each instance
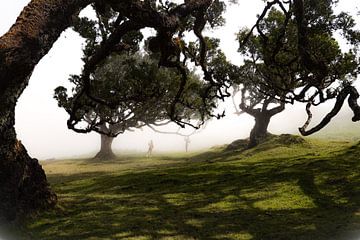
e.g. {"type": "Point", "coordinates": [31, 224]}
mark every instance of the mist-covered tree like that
{"type": "Point", "coordinates": [274, 59]}
{"type": "Point", "coordinates": [332, 78]}
{"type": "Point", "coordinates": [255, 101]}
{"type": "Point", "coordinates": [144, 93]}
{"type": "Point", "coordinates": [260, 88]}
{"type": "Point", "coordinates": [141, 91]}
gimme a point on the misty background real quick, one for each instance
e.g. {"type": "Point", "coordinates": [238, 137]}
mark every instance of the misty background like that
{"type": "Point", "coordinates": [41, 124]}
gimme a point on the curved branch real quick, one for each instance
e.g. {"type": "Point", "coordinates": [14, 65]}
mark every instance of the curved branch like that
{"type": "Point", "coordinates": [277, 109]}
{"type": "Point", "coordinates": [309, 113]}
{"type": "Point", "coordinates": [167, 132]}
{"type": "Point", "coordinates": [104, 50]}
{"type": "Point", "coordinates": [259, 19]}
{"type": "Point", "coordinates": [352, 101]}
{"type": "Point", "coordinates": [267, 101]}
{"type": "Point", "coordinates": [248, 109]}
{"type": "Point", "coordinates": [30, 38]}
{"type": "Point", "coordinates": [178, 96]}
{"type": "Point", "coordinates": [235, 91]}
{"type": "Point", "coordinates": [177, 132]}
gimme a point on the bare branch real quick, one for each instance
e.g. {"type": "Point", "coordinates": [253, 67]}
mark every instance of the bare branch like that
{"type": "Point", "coordinates": [352, 101]}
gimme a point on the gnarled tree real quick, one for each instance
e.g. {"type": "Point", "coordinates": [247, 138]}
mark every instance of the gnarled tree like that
{"type": "Point", "coordinates": [304, 47]}
{"type": "Point", "coordinates": [260, 106]}
{"type": "Point", "coordinates": [144, 93]}
{"type": "Point", "coordinates": [142, 90]}
{"type": "Point", "coordinates": [262, 84]}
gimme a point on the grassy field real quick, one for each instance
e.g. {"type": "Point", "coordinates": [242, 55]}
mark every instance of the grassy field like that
{"type": "Point", "coordinates": [279, 190]}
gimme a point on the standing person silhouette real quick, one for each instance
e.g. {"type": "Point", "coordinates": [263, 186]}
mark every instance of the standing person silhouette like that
{"type": "Point", "coordinates": [187, 142]}
{"type": "Point", "coordinates": [151, 147]}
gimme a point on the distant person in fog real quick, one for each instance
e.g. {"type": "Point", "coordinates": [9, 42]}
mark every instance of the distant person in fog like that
{"type": "Point", "coordinates": [187, 142]}
{"type": "Point", "coordinates": [151, 147]}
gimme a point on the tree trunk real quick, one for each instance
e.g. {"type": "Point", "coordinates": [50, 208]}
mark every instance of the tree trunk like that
{"type": "Point", "coordinates": [262, 119]}
{"type": "Point", "coordinates": [23, 184]}
{"type": "Point", "coordinates": [259, 130]}
{"type": "Point", "coordinates": [105, 152]}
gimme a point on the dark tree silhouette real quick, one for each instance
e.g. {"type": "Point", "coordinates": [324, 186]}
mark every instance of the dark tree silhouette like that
{"type": "Point", "coordinates": [260, 106]}
{"type": "Point", "coordinates": [262, 86]}
{"type": "Point", "coordinates": [295, 54]}
{"type": "Point", "coordinates": [141, 89]}
{"type": "Point", "coordinates": [144, 93]}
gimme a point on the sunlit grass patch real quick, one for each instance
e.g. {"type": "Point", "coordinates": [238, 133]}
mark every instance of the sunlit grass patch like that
{"type": "Point", "coordinates": [179, 199]}
{"type": "Point", "coordinates": [227, 204]}
{"type": "Point", "coordinates": [240, 236]}
{"type": "Point", "coordinates": [280, 196]}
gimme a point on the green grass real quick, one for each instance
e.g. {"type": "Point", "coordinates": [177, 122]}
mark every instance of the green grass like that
{"type": "Point", "coordinates": [277, 191]}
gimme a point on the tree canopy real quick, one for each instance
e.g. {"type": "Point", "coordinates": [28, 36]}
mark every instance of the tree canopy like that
{"type": "Point", "coordinates": [144, 93]}
{"type": "Point", "coordinates": [169, 45]}
{"type": "Point", "coordinates": [297, 53]}
{"type": "Point", "coordinates": [141, 91]}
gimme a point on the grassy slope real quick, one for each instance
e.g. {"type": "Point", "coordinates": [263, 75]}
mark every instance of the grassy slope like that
{"type": "Point", "coordinates": [303, 191]}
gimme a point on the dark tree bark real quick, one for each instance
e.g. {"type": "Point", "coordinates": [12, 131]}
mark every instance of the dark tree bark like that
{"type": "Point", "coordinates": [105, 152]}
{"type": "Point", "coordinates": [348, 91]}
{"type": "Point", "coordinates": [23, 184]}
{"type": "Point", "coordinates": [262, 119]}
{"type": "Point", "coordinates": [259, 131]}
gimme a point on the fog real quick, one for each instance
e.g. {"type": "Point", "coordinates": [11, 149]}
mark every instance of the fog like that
{"type": "Point", "coordinates": [41, 124]}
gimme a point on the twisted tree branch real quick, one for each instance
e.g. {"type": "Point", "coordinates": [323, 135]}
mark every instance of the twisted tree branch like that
{"type": "Point", "coordinates": [343, 94]}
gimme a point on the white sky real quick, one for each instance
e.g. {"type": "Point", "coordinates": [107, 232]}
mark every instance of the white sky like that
{"type": "Point", "coordinates": [41, 125]}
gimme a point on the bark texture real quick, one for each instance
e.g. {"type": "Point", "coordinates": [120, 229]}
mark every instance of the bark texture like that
{"type": "Point", "coordinates": [262, 119]}
{"type": "Point", "coordinates": [105, 152]}
{"type": "Point", "coordinates": [259, 130]}
{"type": "Point", "coordinates": [23, 184]}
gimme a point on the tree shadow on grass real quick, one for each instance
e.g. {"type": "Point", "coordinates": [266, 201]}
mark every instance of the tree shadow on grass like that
{"type": "Point", "coordinates": [308, 198]}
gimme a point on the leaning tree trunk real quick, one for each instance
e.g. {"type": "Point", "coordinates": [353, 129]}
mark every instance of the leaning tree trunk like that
{"type": "Point", "coordinates": [259, 131]}
{"type": "Point", "coordinates": [105, 152]}
{"type": "Point", "coordinates": [23, 184]}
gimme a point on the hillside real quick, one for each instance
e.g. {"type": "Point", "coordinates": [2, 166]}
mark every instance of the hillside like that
{"type": "Point", "coordinates": [286, 190]}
